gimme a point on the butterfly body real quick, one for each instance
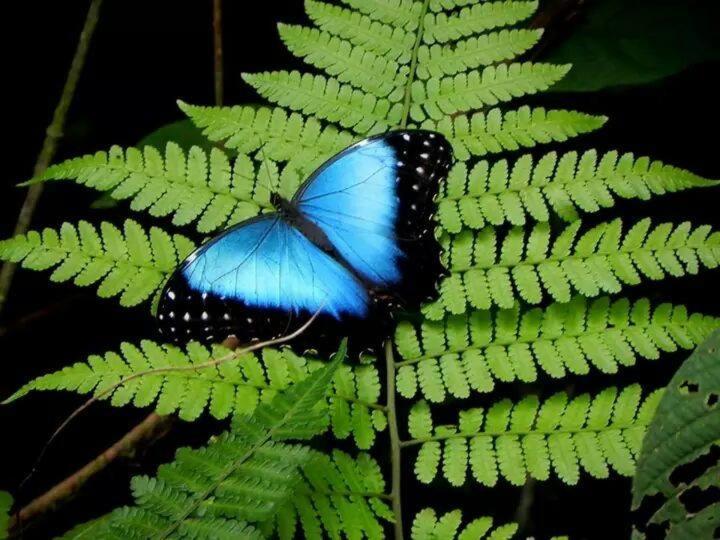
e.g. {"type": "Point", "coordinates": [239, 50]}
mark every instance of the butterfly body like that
{"type": "Point", "coordinates": [355, 242]}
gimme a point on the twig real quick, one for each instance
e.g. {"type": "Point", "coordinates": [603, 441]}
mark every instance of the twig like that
{"type": "Point", "coordinates": [395, 490]}
{"type": "Point", "coordinates": [218, 52]}
{"type": "Point", "coordinates": [52, 136]}
{"type": "Point", "coordinates": [150, 429]}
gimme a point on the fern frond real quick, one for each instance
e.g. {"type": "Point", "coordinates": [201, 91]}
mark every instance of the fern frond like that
{"type": "Point", "coordinates": [196, 187]}
{"type": "Point", "coordinates": [391, 42]}
{"type": "Point", "coordinates": [6, 502]}
{"type": "Point", "coordinates": [398, 13]}
{"type": "Point", "coordinates": [488, 270]}
{"type": "Point", "coordinates": [529, 439]}
{"type": "Point", "coordinates": [282, 136]}
{"type": "Point", "coordinates": [242, 476]}
{"type": "Point", "coordinates": [327, 99]}
{"type": "Point", "coordinates": [439, 97]}
{"type": "Point", "coordinates": [340, 495]}
{"type": "Point", "coordinates": [496, 131]}
{"type": "Point", "coordinates": [500, 192]}
{"type": "Point", "coordinates": [428, 526]}
{"type": "Point", "coordinates": [441, 27]}
{"type": "Point", "coordinates": [350, 64]}
{"type": "Point", "coordinates": [465, 353]}
{"type": "Point", "coordinates": [474, 52]}
{"type": "Point", "coordinates": [132, 263]}
{"type": "Point", "coordinates": [232, 388]}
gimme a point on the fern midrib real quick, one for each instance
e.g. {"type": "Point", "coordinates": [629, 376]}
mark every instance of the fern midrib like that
{"type": "Point", "coordinates": [412, 74]}
{"type": "Point", "coordinates": [604, 256]}
{"type": "Point", "coordinates": [529, 341]}
{"type": "Point", "coordinates": [521, 433]}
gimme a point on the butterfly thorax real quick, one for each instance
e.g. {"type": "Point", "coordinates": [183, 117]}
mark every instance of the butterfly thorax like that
{"type": "Point", "coordinates": [290, 214]}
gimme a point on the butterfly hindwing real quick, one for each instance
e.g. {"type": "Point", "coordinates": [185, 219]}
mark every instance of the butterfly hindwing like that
{"type": "Point", "coordinates": [375, 200]}
{"type": "Point", "coordinates": [262, 271]}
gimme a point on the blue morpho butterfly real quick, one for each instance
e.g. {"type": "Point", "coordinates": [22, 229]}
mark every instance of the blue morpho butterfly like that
{"type": "Point", "coordinates": [356, 241]}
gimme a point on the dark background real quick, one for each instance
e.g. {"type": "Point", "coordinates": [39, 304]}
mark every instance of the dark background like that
{"type": "Point", "coordinates": [144, 56]}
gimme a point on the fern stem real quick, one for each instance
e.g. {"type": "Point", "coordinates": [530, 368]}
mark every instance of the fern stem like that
{"type": "Point", "coordinates": [151, 428]}
{"type": "Point", "coordinates": [413, 66]}
{"type": "Point", "coordinates": [218, 52]}
{"type": "Point", "coordinates": [52, 136]}
{"type": "Point", "coordinates": [395, 446]}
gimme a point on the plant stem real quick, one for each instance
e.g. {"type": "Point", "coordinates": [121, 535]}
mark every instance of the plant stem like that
{"type": "Point", "coordinates": [413, 66]}
{"type": "Point", "coordinates": [218, 52]}
{"type": "Point", "coordinates": [52, 136]}
{"type": "Point", "coordinates": [150, 429]}
{"type": "Point", "coordinates": [395, 457]}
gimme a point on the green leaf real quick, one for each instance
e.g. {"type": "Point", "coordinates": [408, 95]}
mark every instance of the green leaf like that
{"type": "Point", "coordinates": [680, 451]}
{"type": "Point", "coordinates": [619, 43]}
{"type": "Point", "coordinates": [428, 526]}
{"type": "Point", "coordinates": [6, 502]}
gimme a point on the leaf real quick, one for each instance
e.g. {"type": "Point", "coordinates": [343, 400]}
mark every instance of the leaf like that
{"type": "Point", "coordinates": [679, 460]}
{"type": "Point", "coordinates": [428, 526]}
{"type": "Point", "coordinates": [6, 502]}
{"type": "Point", "coordinates": [617, 43]}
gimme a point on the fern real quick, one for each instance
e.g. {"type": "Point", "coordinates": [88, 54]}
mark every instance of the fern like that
{"type": "Point", "coordinates": [197, 187]}
{"type": "Point", "coordinates": [499, 193]}
{"type": "Point", "coordinates": [241, 477]}
{"type": "Point", "coordinates": [232, 388]}
{"type": "Point", "coordinates": [428, 526]}
{"type": "Point", "coordinates": [339, 495]}
{"type": "Point", "coordinates": [6, 502]}
{"type": "Point", "coordinates": [535, 265]}
{"type": "Point", "coordinates": [132, 263]}
{"type": "Point", "coordinates": [465, 353]}
{"type": "Point", "coordinates": [528, 439]}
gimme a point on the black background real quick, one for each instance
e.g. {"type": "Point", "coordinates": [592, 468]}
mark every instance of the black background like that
{"type": "Point", "coordinates": [144, 56]}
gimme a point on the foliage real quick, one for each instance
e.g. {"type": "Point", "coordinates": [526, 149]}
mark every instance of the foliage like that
{"type": "Point", "coordinates": [679, 460]}
{"type": "Point", "coordinates": [529, 438]}
{"type": "Point", "coordinates": [453, 66]}
{"type": "Point", "coordinates": [6, 502]}
{"type": "Point", "coordinates": [234, 387]}
{"type": "Point", "coordinates": [428, 526]}
{"type": "Point", "coordinates": [471, 352]}
{"type": "Point", "coordinates": [132, 263]}
{"type": "Point", "coordinates": [240, 477]}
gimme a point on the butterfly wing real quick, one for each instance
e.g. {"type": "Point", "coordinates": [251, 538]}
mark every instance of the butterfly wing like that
{"type": "Point", "coordinates": [252, 281]}
{"type": "Point", "coordinates": [374, 202]}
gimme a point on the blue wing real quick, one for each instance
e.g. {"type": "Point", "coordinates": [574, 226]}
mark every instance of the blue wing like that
{"type": "Point", "coordinates": [360, 197]}
{"type": "Point", "coordinates": [266, 263]}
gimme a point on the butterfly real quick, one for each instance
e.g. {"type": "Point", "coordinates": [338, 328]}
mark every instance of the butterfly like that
{"type": "Point", "coordinates": [354, 244]}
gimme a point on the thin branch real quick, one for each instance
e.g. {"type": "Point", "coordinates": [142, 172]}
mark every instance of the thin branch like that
{"type": "Point", "coordinates": [150, 429]}
{"type": "Point", "coordinates": [53, 134]}
{"type": "Point", "coordinates": [218, 52]}
{"type": "Point", "coordinates": [395, 457]}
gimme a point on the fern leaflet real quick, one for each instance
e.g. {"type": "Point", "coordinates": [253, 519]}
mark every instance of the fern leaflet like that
{"type": "Point", "coordinates": [498, 193]}
{"type": "Point", "coordinates": [428, 526]}
{"type": "Point", "coordinates": [132, 263]}
{"type": "Point", "coordinates": [601, 260]}
{"type": "Point", "coordinates": [6, 502]}
{"type": "Point", "coordinates": [232, 388]}
{"type": "Point", "coordinates": [465, 353]}
{"type": "Point", "coordinates": [529, 439]}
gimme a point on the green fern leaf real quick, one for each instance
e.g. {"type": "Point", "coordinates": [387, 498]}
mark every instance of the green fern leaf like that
{"type": "Point", "coordinates": [232, 388]}
{"type": "Point", "coordinates": [428, 526]}
{"type": "Point", "coordinates": [240, 477]}
{"type": "Point", "coordinates": [327, 99]}
{"type": "Point", "coordinates": [473, 351]}
{"type": "Point", "coordinates": [130, 263]}
{"type": "Point", "coordinates": [399, 13]}
{"type": "Point", "coordinates": [340, 494]}
{"type": "Point", "coordinates": [528, 439]}
{"type": "Point", "coordinates": [499, 193]}
{"type": "Point", "coordinates": [528, 267]}
{"type": "Point", "coordinates": [497, 131]}
{"type": "Point", "coordinates": [6, 502]}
